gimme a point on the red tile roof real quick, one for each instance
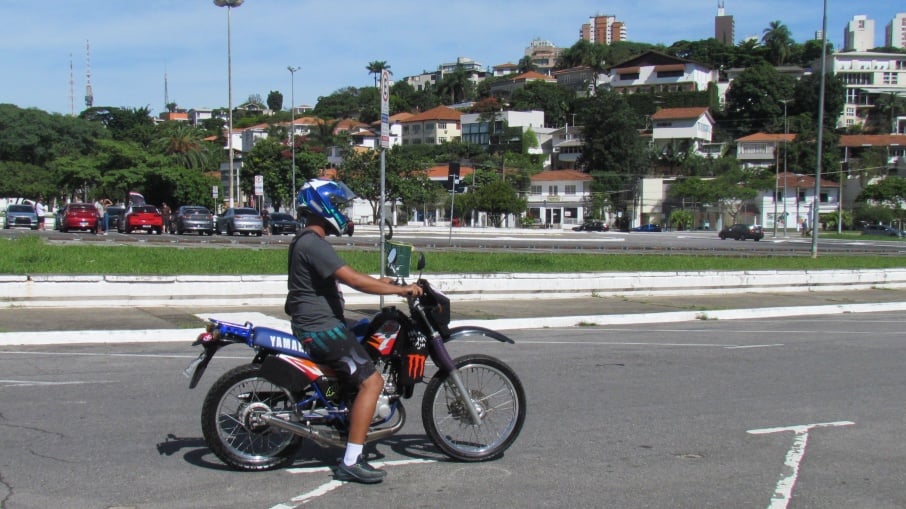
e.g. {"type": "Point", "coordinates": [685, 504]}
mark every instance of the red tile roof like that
{"type": "Point", "coordinates": [550, 175]}
{"type": "Point", "coordinates": [872, 140]}
{"type": "Point", "coordinates": [437, 113]}
{"type": "Point", "coordinates": [441, 171]}
{"type": "Point", "coordinates": [679, 113]}
{"type": "Point", "coordinates": [768, 137]}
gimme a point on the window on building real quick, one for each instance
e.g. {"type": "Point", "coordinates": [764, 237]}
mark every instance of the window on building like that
{"type": "Point", "coordinates": [441, 125]}
{"type": "Point", "coordinates": [553, 190]}
{"type": "Point", "coordinates": [824, 198]}
{"type": "Point", "coordinates": [629, 77]}
{"type": "Point", "coordinates": [890, 78]}
{"type": "Point", "coordinates": [429, 126]}
{"type": "Point", "coordinates": [569, 189]}
{"type": "Point", "coordinates": [535, 190]}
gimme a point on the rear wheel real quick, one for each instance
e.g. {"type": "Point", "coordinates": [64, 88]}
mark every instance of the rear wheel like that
{"type": "Point", "coordinates": [498, 397]}
{"type": "Point", "coordinates": [232, 426]}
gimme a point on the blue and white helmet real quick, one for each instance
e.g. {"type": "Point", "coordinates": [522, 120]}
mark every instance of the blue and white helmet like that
{"type": "Point", "coordinates": [327, 199]}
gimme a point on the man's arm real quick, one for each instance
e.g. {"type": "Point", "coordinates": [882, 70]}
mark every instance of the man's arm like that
{"type": "Point", "coordinates": [367, 284]}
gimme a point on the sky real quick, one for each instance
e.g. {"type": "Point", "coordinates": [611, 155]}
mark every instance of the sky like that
{"type": "Point", "coordinates": [136, 46]}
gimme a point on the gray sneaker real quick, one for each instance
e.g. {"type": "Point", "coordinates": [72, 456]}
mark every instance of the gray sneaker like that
{"type": "Point", "coordinates": [361, 472]}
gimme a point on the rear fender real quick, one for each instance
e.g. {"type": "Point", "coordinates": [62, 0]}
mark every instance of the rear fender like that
{"type": "Point", "coordinates": [467, 331]}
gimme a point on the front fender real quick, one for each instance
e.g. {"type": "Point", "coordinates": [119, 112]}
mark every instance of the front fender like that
{"type": "Point", "coordinates": [466, 331]}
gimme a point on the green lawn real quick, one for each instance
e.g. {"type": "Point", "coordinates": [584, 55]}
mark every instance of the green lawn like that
{"type": "Point", "coordinates": [31, 255]}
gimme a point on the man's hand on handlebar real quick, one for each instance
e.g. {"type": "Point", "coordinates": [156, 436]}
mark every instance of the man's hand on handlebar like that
{"type": "Point", "coordinates": [412, 290]}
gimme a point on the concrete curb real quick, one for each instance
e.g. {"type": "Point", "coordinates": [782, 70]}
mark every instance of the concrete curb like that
{"type": "Point", "coordinates": [114, 291]}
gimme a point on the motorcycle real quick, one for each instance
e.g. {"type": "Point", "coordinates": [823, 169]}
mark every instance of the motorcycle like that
{"type": "Point", "coordinates": [256, 416]}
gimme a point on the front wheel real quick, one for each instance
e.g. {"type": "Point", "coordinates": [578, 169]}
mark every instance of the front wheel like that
{"type": "Point", "coordinates": [498, 397]}
{"type": "Point", "coordinates": [232, 425]}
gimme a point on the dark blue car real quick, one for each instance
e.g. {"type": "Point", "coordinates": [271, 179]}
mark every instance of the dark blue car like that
{"type": "Point", "coordinates": [647, 228]}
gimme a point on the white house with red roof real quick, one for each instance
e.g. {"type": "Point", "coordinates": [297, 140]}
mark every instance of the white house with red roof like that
{"type": "Point", "coordinates": [559, 198]}
{"type": "Point", "coordinates": [762, 150]}
{"type": "Point", "coordinates": [684, 129]}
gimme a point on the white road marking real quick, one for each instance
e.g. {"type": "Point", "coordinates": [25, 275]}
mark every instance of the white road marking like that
{"type": "Point", "coordinates": [33, 383]}
{"type": "Point", "coordinates": [334, 484]}
{"type": "Point", "coordinates": [784, 490]}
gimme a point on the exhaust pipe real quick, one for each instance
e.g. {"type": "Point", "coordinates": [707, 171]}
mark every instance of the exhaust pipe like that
{"type": "Point", "coordinates": [330, 437]}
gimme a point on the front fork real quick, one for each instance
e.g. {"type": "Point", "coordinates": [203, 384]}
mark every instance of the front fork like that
{"type": "Point", "coordinates": [442, 358]}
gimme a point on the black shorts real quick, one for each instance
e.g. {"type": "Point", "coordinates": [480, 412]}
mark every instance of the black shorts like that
{"type": "Point", "coordinates": [339, 349]}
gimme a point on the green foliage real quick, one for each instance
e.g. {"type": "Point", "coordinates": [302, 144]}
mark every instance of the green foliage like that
{"type": "Point", "coordinates": [681, 219]}
{"type": "Point", "coordinates": [498, 199]}
{"type": "Point", "coordinates": [275, 101]}
{"type": "Point", "coordinates": [753, 99]}
{"type": "Point", "coordinates": [614, 152]}
{"type": "Point", "coordinates": [29, 254]}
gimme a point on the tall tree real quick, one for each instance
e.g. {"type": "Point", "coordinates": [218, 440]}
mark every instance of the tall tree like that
{"type": "Point", "coordinates": [376, 68]}
{"type": "Point", "coordinates": [526, 64]}
{"type": "Point", "coordinates": [275, 101]}
{"type": "Point", "coordinates": [779, 41]}
{"type": "Point", "coordinates": [614, 152]}
{"type": "Point", "coordinates": [753, 100]}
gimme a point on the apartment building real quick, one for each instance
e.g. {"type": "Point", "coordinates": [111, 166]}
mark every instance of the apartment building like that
{"type": "Point", "coordinates": [724, 26]}
{"type": "Point", "coordinates": [603, 29]}
{"type": "Point", "coordinates": [867, 75]}
{"type": "Point", "coordinates": [433, 127]}
{"type": "Point", "coordinates": [859, 34]}
{"type": "Point", "coordinates": [895, 32]}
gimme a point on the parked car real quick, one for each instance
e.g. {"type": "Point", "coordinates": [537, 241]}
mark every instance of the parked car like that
{"type": "Point", "coordinates": [114, 216]}
{"type": "Point", "coordinates": [280, 224]}
{"type": "Point", "coordinates": [741, 231]}
{"type": "Point", "coordinates": [882, 230]}
{"type": "Point", "coordinates": [648, 228]}
{"type": "Point", "coordinates": [141, 217]}
{"type": "Point", "coordinates": [592, 226]}
{"type": "Point", "coordinates": [21, 215]}
{"type": "Point", "coordinates": [79, 216]}
{"type": "Point", "coordinates": [244, 220]}
{"type": "Point", "coordinates": [192, 218]}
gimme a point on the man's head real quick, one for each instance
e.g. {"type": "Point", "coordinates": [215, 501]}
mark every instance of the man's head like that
{"type": "Point", "coordinates": [326, 200]}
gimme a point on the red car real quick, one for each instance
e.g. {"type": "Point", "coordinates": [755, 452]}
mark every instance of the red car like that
{"type": "Point", "coordinates": [79, 216]}
{"type": "Point", "coordinates": [141, 217]}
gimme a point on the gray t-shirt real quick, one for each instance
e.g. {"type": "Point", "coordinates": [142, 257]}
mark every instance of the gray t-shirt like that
{"type": "Point", "coordinates": [314, 301]}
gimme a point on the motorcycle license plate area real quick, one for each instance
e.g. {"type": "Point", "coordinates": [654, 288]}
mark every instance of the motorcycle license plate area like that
{"type": "Point", "coordinates": [190, 369]}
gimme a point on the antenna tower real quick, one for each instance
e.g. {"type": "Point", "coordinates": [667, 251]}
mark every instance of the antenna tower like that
{"type": "Point", "coordinates": [89, 96]}
{"type": "Point", "coordinates": [166, 92]}
{"type": "Point", "coordinates": [71, 89]}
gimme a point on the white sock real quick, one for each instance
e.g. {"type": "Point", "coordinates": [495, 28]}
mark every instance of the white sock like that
{"type": "Point", "coordinates": [353, 451]}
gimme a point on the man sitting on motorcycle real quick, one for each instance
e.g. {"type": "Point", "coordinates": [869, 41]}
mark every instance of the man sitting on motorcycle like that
{"type": "Point", "coordinates": [315, 303]}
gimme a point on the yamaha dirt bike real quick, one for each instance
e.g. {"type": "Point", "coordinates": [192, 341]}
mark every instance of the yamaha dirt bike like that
{"type": "Point", "coordinates": [256, 416]}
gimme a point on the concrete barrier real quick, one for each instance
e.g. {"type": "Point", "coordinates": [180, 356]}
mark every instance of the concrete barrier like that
{"type": "Point", "coordinates": [100, 291]}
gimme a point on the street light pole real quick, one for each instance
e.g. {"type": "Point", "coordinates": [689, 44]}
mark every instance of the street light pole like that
{"type": "Point", "coordinates": [292, 125]}
{"type": "Point", "coordinates": [786, 132]}
{"type": "Point", "coordinates": [230, 4]}
{"type": "Point", "coordinates": [821, 91]}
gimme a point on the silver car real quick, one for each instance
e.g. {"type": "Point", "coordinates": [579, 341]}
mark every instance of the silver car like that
{"type": "Point", "coordinates": [21, 215]}
{"type": "Point", "coordinates": [245, 220]}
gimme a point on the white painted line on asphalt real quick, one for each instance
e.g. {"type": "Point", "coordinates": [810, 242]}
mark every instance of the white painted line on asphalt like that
{"type": "Point", "coordinates": [784, 490]}
{"type": "Point", "coordinates": [502, 324]}
{"type": "Point", "coordinates": [34, 383]}
{"type": "Point", "coordinates": [334, 484]}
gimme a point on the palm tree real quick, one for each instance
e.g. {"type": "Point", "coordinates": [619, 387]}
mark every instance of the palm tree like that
{"type": "Point", "coordinates": [778, 39]}
{"type": "Point", "coordinates": [526, 64]}
{"type": "Point", "coordinates": [185, 144]}
{"type": "Point", "coordinates": [887, 108]}
{"type": "Point", "coordinates": [376, 68]}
